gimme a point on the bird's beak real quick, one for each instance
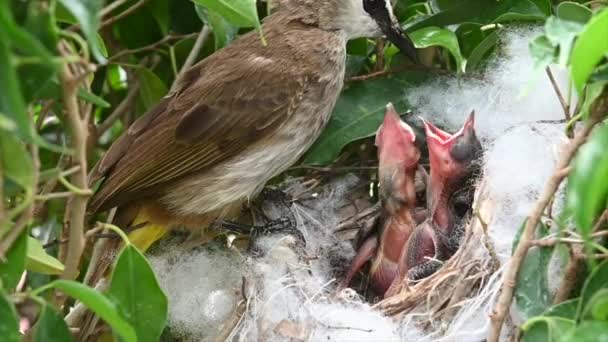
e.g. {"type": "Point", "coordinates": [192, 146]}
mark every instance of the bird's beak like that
{"type": "Point", "coordinates": [392, 30]}
{"type": "Point", "coordinates": [440, 138]}
{"type": "Point", "coordinates": [395, 34]}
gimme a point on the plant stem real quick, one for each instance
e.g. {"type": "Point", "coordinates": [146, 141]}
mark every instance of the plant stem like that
{"type": "Point", "coordinates": [510, 277]}
{"type": "Point", "coordinates": [77, 204]}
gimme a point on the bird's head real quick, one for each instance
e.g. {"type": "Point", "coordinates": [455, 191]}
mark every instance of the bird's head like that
{"type": "Point", "coordinates": [354, 18]}
{"type": "Point", "coordinates": [398, 160]}
{"type": "Point", "coordinates": [453, 157]}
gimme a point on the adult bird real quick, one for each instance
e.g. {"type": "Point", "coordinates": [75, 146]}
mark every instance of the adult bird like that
{"type": "Point", "coordinates": [237, 118]}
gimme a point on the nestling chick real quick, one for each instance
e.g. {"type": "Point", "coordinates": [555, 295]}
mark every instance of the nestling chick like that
{"type": "Point", "coordinates": [398, 160]}
{"type": "Point", "coordinates": [453, 160]}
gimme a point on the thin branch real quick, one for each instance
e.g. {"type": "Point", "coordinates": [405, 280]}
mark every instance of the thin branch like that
{"type": "Point", "coordinates": [153, 46]}
{"type": "Point", "coordinates": [124, 14]}
{"type": "Point", "coordinates": [576, 262]}
{"type": "Point", "coordinates": [196, 49]}
{"type": "Point", "coordinates": [383, 73]}
{"type": "Point", "coordinates": [510, 277]}
{"type": "Point", "coordinates": [120, 110]}
{"type": "Point", "coordinates": [111, 7]}
{"type": "Point", "coordinates": [76, 208]}
{"type": "Point", "coordinates": [562, 101]}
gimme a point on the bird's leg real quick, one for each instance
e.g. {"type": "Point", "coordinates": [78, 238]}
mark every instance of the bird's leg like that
{"type": "Point", "coordinates": [364, 254]}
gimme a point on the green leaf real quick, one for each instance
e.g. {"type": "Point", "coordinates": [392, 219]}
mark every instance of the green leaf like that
{"type": "Point", "coordinates": [9, 325]}
{"type": "Point", "coordinates": [532, 293]}
{"type": "Point", "coordinates": [547, 329]}
{"type": "Point", "coordinates": [358, 113]}
{"type": "Point", "coordinates": [562, 33]}
{"type": "Point", "coordinates": [481, 50]}
{"type": "Point", "coordinates": [41, 26]}
{"type": "Point", "coordinates": [589, 49]}
{"type": "Point", "coordinates": [160, 12]}
{"type": "Point", "coordinates": [588, 181]}
{"type": "Point", "coordinates": [39, 261]}
{"type": "Point", "coordinates": [522, 10]}
{"type": "Point", "coordinates": [480, 11]}
{"type": "Point", "coordinates": [590, 331]}
{"type": "Point", "coordinates": [98, 303]}
{"type": "Point", "coordinates": [16, 161]}
{"type": "Point", "coordinates": [7, 124]}
{"type": "Point", "coordinates": [152, 88]}
{"type": "Point", "coordinates": [543, 52]}
{"type": "Point", "coordinates": [12, 103]}
{"type": "Point", "coordinates": [569, 10]}
{"type": "Point", "coordinates": [51, 327]}
{"type": "Point", "coordinates": [223, 31]}
{"type": "Point", "coordinates": [33, 62]}
{"type": "Point", "coordinates": [242, 13]}
{"type": "Point", "coordinates": [592, 92]}
{"type": "Point", "coordinates": [12, 269]}
{"type": "Point", "coordinates": [92, 98]}
{"type": "Point", "coordinates": [596, 281]}
{"type": "Point", "coordinates": [566, 309]}
{"type": "Point", "coordinates": [435, 36]}
{"type": "Point", "coordinates": [135, 291]}
{"type": "Point", "coordinates": [598, 306]}
{"type": "Point", "coordinates": [87, 13]}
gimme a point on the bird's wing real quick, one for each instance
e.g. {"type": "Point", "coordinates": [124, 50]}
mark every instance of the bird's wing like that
{"type": "Point", "coordinates": [224, 106]}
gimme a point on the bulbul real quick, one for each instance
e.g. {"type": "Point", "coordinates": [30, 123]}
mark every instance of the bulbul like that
{"type": "Point", "coordinates": [398, 159]}
{"type": "Point", "coordinates": [239, 117]}
{"type": "Point", "coordinates": [454, 160]}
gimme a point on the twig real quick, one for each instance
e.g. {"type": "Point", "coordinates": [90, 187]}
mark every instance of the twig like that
{"type": "Point", "coordinates": [383, 73]}
{"type": "Point", "coordinates": [76, 208]}
{"type": "Point", "coordinates": [570, 274]}
{"type": "Point", "coordinates": [124, 14]}
{"type": "Point", "coordinates": [120, 110]}
{"type": "Point", "coordinates": [196, 49]}
{"type": "Point", "coordinates": [153, 46]}
{"type": "Point", "coordinates": [353, 220]}
{"type": "Point", "coordinates": [565, 105]}
{"type": "Point", "coordinates": [575, 263]}
{"type": "Point", "coordinates": [111, 7]}
{"type": "Point", "coordinates": [510, 277]}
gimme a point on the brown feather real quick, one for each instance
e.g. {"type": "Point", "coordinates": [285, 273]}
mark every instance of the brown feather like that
{"type": "Point", "coordinates": [225, 103]}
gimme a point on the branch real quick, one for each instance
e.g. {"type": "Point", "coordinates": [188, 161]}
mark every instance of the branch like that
{"type": "Point", "coordinates": [565, 105]}
{"type": "Point", "coordinates": [76, 207]}
{"type": "Point", "coordinates": [153, 46]}
{"type": "Point", "coordinates": [383, 73]}
{"type": "Point", "coordinates": [120, 110]}
{"type": "Point", "coordinates": [510, 277]}
{"type": "Point", "coordinates": [124, 14]}
{"type": "Point", "coordinates": [198, 45]}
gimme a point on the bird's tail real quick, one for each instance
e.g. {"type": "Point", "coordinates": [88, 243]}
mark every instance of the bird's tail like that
{"type": "Point", "coordinates": [148, 234]}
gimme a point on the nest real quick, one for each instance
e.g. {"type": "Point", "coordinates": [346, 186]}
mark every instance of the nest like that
{"type": "Point", "coordinates": [439, 297]}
